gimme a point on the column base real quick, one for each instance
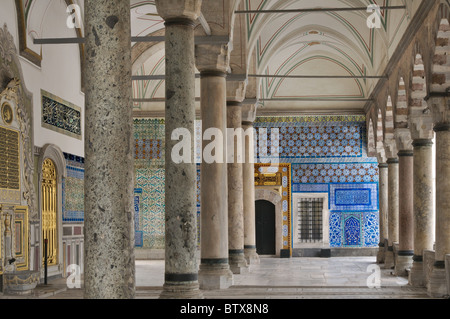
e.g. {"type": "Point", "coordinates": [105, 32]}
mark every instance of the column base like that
{"type": "Point", "coordinates": [437, 286]}
{"type": "Point", "coordinates": [403, 264]}
{"type": "Point", "coordinates": [447, 268]}
{"type": "Point", "coordinates": [381, 254]}
{"type": "Point", "coordinates": [215, 276]}
{"type": "Point", "coordinates": [238, 264]}
{"type": "Point", "coordinates": [417, 274]}
{"type": "Point", "coordinates": [251, 256]}
{"type": "Point", "coordinates": [181, 291]}
{"type": "Point", "coordinates": [389, 259]}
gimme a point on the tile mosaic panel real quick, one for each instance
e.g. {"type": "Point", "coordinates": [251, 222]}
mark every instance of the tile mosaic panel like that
{"type": "Point", "coordinates": [149, 136]}
{"type": "Point", "coordinates": [352, 231]}
{"type": "Point", "coordinates": [152, 183]}
{"type": "Point", "coordinates": [61, 116]}
{"type": "Point", "coordinates": [73, 190]}
{"type": "Point", "coordinates": [353, 197]}
{"type": "Point", "coordinates": [335, 173]}
{"type": "Point", "coordinates": [296, 139]}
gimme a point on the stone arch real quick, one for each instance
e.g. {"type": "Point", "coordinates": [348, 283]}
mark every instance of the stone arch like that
{"type": "Point", "coordinates": [371, 139]}
{"type": "Point", "coordinates": [441, 37]}
{"type": "Point", "coordinates": [418, 83]}
{"type": "Point", "coordinates": [55, 154]}
{"type": "Point", "coordinates": [389, 138]}
{"type": "Point", "coordinates": [401, 106]}
{"type": "Point", "coordinates": [380, 137]}
{"type": "Point", "coordinates": [275, 198]}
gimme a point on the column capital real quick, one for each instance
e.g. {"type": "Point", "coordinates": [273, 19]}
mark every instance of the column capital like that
{"type": "Point", "coordinates": [403, 139]}
{"type": "Point", "coordinates": [421, 123]}
{"type": "Point", "coordinates": [212, 58]}
{"type": "Point", "coordinates": [390, 148]}
{"type": "Point", "coordinates": [236, 91]}
{"type": "Point", "coordinates": [249, 113]}
{"type": "Point", "coordinates": [171, 10]}
{"type": "Point", "coordinates": [438, 104]}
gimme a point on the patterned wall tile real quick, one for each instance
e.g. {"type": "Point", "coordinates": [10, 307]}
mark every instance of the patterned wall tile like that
{"type": "Point", "coordinates": [335, 173]}
{"type": "Point", "coordinates": [353, 197]}
{"type": "Point", "coordinates": [73, 190]}
{"type": "Point", "coordinates": [352, 230]}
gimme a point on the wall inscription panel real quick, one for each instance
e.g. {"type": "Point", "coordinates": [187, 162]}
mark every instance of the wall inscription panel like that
{"type": "Point", "coordinates": [61, 116]}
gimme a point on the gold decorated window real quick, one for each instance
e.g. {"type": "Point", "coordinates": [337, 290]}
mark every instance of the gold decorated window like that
{"type": "Point", "coordinates": [49, 211]}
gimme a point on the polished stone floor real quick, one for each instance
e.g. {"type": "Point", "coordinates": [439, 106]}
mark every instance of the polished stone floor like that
{"type": "Point", "coordinates": [274, 278]}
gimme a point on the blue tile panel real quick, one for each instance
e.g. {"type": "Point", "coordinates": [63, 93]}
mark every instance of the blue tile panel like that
{"type": "Point", "coordinates": [73, 190]}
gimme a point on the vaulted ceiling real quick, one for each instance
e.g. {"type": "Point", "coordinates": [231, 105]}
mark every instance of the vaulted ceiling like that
{"type": "Point", "coordinates": [295, 62]}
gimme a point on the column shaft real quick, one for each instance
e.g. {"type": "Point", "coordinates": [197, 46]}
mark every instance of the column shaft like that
{"type": "Point", "coordinates": [406, 227]}
{"type": "Point", "coordinates": [181, 266]}
{"type": "Point", "coordinates": [423, 208]}
{"type": "Point", "coordinates": [437, 286]}
{"type": "Point", "coordinates": [109, 174]}
{"type": "Point", "coordinates": [237, 261]}
{"type": "Point", "coordinates": [384, 208]}
{"type": "Point", "coordinates": [249, 196]}
{"type": "Point", "coordinates": [393, 211]}
{"type": "Point", "coordinates": [214, 268]}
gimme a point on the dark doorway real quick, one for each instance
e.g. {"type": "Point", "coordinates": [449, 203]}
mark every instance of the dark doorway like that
{"type": "Point", "coordinates": [265, 227]}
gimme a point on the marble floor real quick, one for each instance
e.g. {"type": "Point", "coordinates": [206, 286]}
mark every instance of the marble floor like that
{"type": "Point", "coordinates": [275, 278]}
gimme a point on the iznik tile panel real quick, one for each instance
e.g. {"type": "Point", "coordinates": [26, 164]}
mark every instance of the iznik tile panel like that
{"type": "Point", "coordinates": [353, 197]}
{"type": "Point", "coordinates": [73, 190]}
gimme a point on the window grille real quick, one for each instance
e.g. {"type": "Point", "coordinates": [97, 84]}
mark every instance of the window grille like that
{"type": "Point", "coordinates": [310, 220]}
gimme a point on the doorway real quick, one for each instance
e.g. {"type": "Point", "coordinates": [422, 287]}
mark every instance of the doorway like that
{"type": "Point", "coordinates": [265, 227]}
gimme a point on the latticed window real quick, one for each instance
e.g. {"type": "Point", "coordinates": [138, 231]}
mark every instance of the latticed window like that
{"type": "Point", "coordinates": [49, 211]}
{"type": "Point", "coordinates": [310, 220]}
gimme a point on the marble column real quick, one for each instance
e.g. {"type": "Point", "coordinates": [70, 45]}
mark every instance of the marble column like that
{"type": "Point", "coordinates": [393, 211]}
{"type": "Point", "coordinates": [439, 105]}
{"type": "Point", "coordinates": [181, 265]}
{"type": "Point", "coordinates": [238, 264]}
{"type": "Point", "coordinates": [109, 174]}
{"type": "Point", "coordinates": [384, 208]}
{"type": "Point", "coordinates": [214, 270]}
{"type": "Point", "coordinates": [423, 208]}
{"type": "Point", "coordinates": [405, 207]}
{"type": "Point", "coordinates": [249, 197]}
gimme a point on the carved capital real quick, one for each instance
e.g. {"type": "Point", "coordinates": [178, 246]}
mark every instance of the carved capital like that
{"type": "Point", "coordinates": [179, 9]}
{"type": "Point", "coordinates": [438, 103]}
{"type": "Point", "coordinates": [421, 124]}
{"type": "Point", "coordinates": [212, 57]}
{"type": "Point", "coordinates": [236, 90]}
{"type": "Point", "coordinates": [390, 147]}
{"type": "Point", "coordinates": [403, 139]}
{"type": "Point", "coordinates": [249, 112]}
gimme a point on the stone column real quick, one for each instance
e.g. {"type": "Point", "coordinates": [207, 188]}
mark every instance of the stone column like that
{"type": "Point", "coordinates": [423, 208]}
{"type": "Point", "coordinates": [109, 176]}
{"type": "Point", "coordinates": [249, 188]}
{"type": "Point", "coordinates": [384, 208]}
{"type": "Point", "coordinates": [181, 265]}
{"type": "Point", "coordinates": [214, 267]}
{"type": "Point", "coordinates": [405, 208]}
{"type": "Point", "coordinates": [405, 201]}
{"type": "Point", "coordinates": [238, 264]}
{"type": "Point", "coordinates": [438, 103]}
{"type": "Point", "coordinates": [393, 211]}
